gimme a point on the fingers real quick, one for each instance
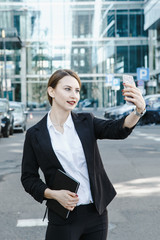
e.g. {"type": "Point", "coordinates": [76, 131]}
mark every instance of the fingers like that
{"type": "Point", "coordinates": [133, 94]}
{"type": "Point", "coordinates": [73, 197]}
{"type": "Point", "coordinates": [68, 199]}
{"type": "Point", "coordinates": [131, 88]}
{"type": "Point", "coordinates": [72, 194]}
{"type": "Point", "coordinates": [71, 208]}
{"type": "Point", "coordinates": [70, 205]}
{"type": "Point", "coordinates": [129, 85]}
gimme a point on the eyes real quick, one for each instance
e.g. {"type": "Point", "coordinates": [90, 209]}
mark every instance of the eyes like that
{"type": "Point", "coordinates": [69, 89]}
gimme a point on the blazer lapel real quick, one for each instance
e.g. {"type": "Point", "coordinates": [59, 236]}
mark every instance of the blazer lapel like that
{"type": "Point", "coordinates": [45, 142]}
{"type": "Point", "coordinates": [84, 132]}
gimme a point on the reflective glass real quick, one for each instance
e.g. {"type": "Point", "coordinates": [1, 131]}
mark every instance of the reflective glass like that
{"type": "Point", "coordinates": [122, 25]}
{"type": "Point", "coordinates": [137, 57]}
{"type": "Point", "coordinates": [90, 37]}
{"type": "Point", "coordinates": [108, 23]}
{"type": "Point", "coordinates": [123, 0]}
{"type": "Point", "coordinates": [122, 60]}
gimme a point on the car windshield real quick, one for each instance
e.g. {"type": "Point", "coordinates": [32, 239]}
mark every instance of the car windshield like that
{"type": "Point", "coordinates": [3, 107]}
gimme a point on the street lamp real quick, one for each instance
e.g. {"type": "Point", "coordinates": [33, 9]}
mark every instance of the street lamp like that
{"type": "Point", "coordinates": [4, 49]}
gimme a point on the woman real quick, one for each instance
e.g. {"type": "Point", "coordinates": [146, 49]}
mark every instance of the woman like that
{"type": "Point", "coordinates": [67, 141]}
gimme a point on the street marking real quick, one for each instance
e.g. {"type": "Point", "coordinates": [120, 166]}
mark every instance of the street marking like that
{"type": "Point", "coordinates": [154, 137]}
{"type": "Point", "coordinates": [157, 139]}
{"type": "Point", "coordinates": [31, 222]}
{"type": "Point", "coordinates": [40, 222]}
{"type": "Point", "coordinates": [141, 187]}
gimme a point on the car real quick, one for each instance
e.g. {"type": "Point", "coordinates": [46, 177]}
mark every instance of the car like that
{"type": "Point", "coordinates": [20, 115]}
{"type": "Point", "coordinates": [7, 118]}
{"type": "Point", "coordinates": [152, 115]}
{"type": "Point", "coordinates": [32, 105]}
{"type": "Point", "coordinates": [118, 111]}
{"type": "Point", "coordinates": [109, 110]}
{"type": "Point", "coordinates": [87, 103]}
{"type": "Point", "coordinates": [152, 110]}
{"type": "Point", "coordinates": [122, 111]}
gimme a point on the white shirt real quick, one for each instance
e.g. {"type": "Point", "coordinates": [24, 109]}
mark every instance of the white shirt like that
{"type": "Point", "coordinates": [69, 151]}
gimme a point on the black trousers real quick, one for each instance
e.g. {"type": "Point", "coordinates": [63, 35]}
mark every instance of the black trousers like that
{"type": "Point", "coordinates": [84, 223]}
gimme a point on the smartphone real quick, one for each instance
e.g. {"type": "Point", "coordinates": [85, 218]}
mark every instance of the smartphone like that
{"type": "Point", "coordinates": [128, 79]}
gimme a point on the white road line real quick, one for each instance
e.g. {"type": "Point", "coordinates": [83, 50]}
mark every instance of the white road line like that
{"type": "Point", "coordinates": [40, 222]}
{"type": "Point", "coordinates": [31, 222]}
{"type": "Point", "coordinates": [149, 137]}
{"type": "Point", "coordinates": [157, 139]}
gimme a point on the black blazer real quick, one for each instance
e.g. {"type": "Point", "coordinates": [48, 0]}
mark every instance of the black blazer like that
{"type": "Point", "coordinates": [38, 153]}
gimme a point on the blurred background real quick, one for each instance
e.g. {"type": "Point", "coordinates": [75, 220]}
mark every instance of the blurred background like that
{"type": "Point", "coordinates": [100, 40]}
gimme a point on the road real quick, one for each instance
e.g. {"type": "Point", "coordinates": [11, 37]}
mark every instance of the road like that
{"type": "Point", "coordinates": [133, 165]}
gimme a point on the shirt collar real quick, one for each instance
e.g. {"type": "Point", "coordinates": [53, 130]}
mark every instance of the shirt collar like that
{"type": "Point", "coordinates": [49, 123]}
{"type": "Point", "coordinates": [68, 122]}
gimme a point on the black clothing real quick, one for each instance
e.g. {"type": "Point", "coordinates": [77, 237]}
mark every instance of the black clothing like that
{"type": "Point", "coordinates": [87, 224]}
{"type": "Point", "coordinates": [38, 153]}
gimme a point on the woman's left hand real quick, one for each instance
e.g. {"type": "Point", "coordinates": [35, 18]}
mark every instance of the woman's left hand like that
{"type": "Point", "coordinates": [133, 94]}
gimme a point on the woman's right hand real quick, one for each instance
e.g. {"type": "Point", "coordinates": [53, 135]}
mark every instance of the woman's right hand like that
{"type": "Point", "coordinates": [66, 198]}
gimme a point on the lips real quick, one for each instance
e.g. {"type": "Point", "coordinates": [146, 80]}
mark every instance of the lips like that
{"type": "Point", "coordinates": [71, 102]}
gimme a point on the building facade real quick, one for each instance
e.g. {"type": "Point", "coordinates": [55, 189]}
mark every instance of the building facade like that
{"type": "Point", "coordinates": [152, 24]}
{"type": "Point", "coordinates": [93, 38]}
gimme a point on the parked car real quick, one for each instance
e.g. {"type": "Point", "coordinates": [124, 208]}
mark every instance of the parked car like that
{"type": "Point", "coordinates": [32, 105]}
{"type": "Point", "coordinates": [119, 111]}
{"type": "Point", "coordinates": [152, 110]}
{"type": "Point", "coordinates": [7, 118]}
{"type": "Point", "coordinates": [20, 115]}
{"type": "Point", "coordinates": [85, 103]}
{"type": "Point", "coordinates": [108, 111]}
{"type": "Point", "coordinates": [152, 115]}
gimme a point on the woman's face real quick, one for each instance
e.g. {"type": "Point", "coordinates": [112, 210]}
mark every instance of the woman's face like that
{"type": "Point", "coordinates": [66, 94]}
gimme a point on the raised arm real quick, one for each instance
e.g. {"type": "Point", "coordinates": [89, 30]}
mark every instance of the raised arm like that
{"type": "Point", "coordinates": [133, 94]}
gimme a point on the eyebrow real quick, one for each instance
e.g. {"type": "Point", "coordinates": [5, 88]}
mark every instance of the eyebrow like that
{"type": "Point", "coordinates": [71, 87]}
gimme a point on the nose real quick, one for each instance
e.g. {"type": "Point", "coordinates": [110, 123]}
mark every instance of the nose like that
{"type": "Point", "coordinates": [73, 94]}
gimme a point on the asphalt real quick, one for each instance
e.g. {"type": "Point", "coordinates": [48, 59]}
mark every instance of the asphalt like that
{"type": "Point", "coordinates": [132, 165]}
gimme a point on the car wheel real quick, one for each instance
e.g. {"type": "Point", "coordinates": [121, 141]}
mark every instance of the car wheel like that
{"type": "Point", "coordinates": [6, 132]}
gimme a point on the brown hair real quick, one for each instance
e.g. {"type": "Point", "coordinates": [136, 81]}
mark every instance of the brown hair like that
{"type": "Point", "coordinates": [58, 75]}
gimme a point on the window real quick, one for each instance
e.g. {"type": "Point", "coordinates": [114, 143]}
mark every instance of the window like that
{"type": "Point", "coordinates": [122, 59]}
{"type": "Point", "coordinates": [122, 25]}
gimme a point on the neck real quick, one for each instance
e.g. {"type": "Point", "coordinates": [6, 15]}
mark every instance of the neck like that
{"type": "Point", "coordinates": [58, 118]}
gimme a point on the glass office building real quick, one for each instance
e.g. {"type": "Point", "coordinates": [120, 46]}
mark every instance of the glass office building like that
{"type": "Point", "coordinates": [152, 24]}
{"type": "Point", "coordinates": [93, 38]}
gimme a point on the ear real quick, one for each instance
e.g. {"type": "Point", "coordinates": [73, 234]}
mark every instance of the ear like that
{"type": "Point", "coordinates": [50, 91]}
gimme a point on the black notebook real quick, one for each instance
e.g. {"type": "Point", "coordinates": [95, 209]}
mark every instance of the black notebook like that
{"type": "Point", "coordinates": [63, 181]}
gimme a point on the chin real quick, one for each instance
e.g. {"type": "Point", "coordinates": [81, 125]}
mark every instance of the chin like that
{"type": "Point", "coordinates": [68, 109]}
{"type": "Point", "coordinates": [71, 107]}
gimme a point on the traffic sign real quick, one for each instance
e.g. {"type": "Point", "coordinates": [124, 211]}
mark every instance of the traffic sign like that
{"type": "Point", "coordinates": [116, 83]}
{"type": "Point", "coordinates": [140, 82]}
{"type": "Point", "coordinates": [143, 74]}
{"type": "Point", "coordinates": [109, 79]}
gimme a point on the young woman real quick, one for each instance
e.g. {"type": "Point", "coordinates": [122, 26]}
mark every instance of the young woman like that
{"type": "Point", "coordinates": [66, 140]}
